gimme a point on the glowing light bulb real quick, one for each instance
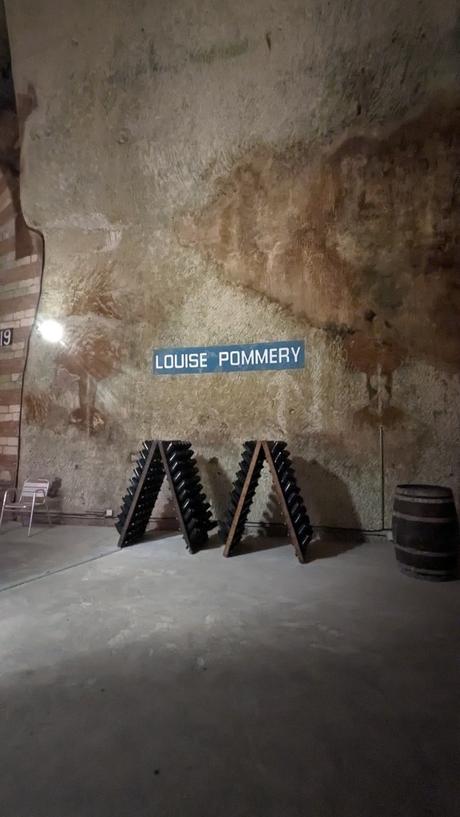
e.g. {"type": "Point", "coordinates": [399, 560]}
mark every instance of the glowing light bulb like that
{"type": "Point", "coordinates": [52, 331]}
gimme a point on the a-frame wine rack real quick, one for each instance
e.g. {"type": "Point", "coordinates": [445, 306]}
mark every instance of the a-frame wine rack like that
{"type": "Point", "coordinates": [176, 461]}
{"type": "Point", "coordinates": [244, 488]}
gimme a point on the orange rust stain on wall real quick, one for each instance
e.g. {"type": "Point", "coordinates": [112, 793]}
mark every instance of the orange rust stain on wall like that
{"type": "Point", "coordinates": [91, 356]}
{"type": "Point", "coordinates": [365, 352]}
{"type": "Point", "coordinates": [91, 352]}
{"type": "Point", "coordinates": [36, 407]}
{"type": "Point", "coordinates": [93, 294]}
{"type": "Point", "coordinates": [362, 241]}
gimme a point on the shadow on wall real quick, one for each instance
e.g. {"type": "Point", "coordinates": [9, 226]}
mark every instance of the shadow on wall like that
{"type": "Point", "coordinates": [326, 496]}
{"type": "Point", "coordinates": [272, 518]}
{"type": "Point", "coordinates": [164, 515]}
{"type": "Point", "coordinates": [217, 486]}
{"type": "Point", "coordinates": [55, 500]}
{"type": "Point", "coordinates": [329, 504]}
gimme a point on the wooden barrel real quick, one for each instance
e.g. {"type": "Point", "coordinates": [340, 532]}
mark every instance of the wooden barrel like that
{"type": "Point", "coordinates": [425, 531]}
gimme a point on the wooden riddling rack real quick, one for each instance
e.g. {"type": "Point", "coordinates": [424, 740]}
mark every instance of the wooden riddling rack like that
{"type": "Point", "coordinates": [176, 461]}
{"type": "Point", "coordinates": [276, 454]}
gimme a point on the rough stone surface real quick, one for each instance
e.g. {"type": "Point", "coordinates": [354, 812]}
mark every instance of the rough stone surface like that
{"type": "Point", "coordinates": [150, 682]}
{"type": "Point", "coordinates": [211, 172]}
{"type": "Point", "coordinates": [21, 253]}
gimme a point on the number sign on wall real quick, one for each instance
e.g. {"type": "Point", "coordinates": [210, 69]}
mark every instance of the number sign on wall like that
{"type": "Point", "coordinates": [6, 337]}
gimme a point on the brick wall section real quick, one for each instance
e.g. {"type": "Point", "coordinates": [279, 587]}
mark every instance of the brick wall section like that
{"type": "Point", "coordinates": [21, 255]}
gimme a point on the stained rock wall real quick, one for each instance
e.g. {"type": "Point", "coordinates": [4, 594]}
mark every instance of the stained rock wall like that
{"type": "Point", "coordinates": [209, 173]}
{"type": "Point", "coordinates": [20, 267]}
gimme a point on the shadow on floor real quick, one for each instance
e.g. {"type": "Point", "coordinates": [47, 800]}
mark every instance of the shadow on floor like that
{"type": "Point", "coordinates": [327, 544]}
{"type": "Point", "coordinates": [156, 534]}
{"type": "Point", "coordinates": [213, 542]}
{"type": "Point", "coordinates": [255, 544]}
{"type": "Point", "coordinates": [151, 690]}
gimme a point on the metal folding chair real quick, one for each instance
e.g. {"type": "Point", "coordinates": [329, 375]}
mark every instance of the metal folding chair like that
{"type": "Point", "coordinates": [33, 495]}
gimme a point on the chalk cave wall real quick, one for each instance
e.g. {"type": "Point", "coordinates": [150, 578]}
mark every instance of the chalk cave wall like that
{"type": "Point", "coordinates": [208, 173]}
{"type": "Point", "coordinates": [20, 265]}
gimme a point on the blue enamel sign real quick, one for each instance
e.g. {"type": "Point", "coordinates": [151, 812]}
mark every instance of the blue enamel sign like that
{"type": "Point", "coordinates": [245, 357]}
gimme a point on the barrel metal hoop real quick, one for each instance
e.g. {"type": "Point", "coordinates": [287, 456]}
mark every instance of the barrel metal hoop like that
{"type": "Point", "coordinates": [422, 553]}
{"type": "Point", "coordinates": [425, 500]}
{"type": "Point", "coordinates": [427, 491]}
{"type": "Point", "coordinates": [436, 520]}
{"type": "Point", "coordinates": [425, 571]}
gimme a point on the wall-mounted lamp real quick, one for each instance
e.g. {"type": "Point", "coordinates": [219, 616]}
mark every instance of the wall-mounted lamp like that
{"type": "Point", "coordinates": [52, 331]}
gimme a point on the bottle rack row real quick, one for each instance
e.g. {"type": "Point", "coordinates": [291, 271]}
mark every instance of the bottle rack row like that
{"type": "Point", "coordinates": [176, 461]}
{"type": "Point", "coordinates": [277, 456]}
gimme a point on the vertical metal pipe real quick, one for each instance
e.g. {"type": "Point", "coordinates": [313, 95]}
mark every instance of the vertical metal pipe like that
{"type": "Point", "coordinates": [382, 479]}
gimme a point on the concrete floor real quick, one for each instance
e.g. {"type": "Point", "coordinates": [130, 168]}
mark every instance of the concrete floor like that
{"type": "Point", "coordinates": [150, 682]}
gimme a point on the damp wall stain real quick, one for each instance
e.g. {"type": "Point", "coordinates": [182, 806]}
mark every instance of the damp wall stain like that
{"type": "Point", "coordinates": [94, 294]}
{"type": "Point", "coordinates": [362, 240]}
{"type": "Point", "coordinates": [36, 408]}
